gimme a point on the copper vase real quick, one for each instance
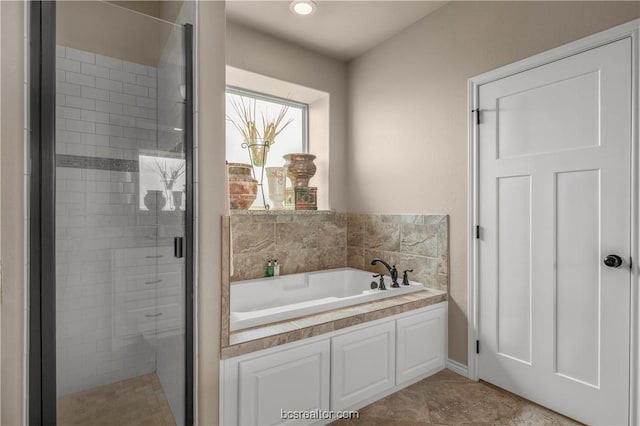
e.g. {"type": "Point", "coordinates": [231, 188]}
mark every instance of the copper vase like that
{"type": "Point", "coordinates": [243, 188]}
{"type": "Point", "coordinates": [300, 168]}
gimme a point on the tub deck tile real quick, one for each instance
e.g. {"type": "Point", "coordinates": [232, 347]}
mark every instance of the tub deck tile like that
{"type": "Point", "coordinates": [270, 335]}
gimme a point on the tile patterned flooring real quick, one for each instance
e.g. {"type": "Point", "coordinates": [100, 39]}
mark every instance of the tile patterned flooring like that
{"type": "Point", "coordinates": [134, 402]}
{"type": "Point", "coordinates": [447, 398]}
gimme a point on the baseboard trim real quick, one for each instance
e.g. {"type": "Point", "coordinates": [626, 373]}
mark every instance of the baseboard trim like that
{"type": "Point", "coordinates": [457, 367]}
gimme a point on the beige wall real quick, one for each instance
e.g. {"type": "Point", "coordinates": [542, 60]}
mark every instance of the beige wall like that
{"type": "Point", "coordinates": [211, 192]}
{"type": "Point", "coordinates": [112, 30]}
{"type": "Point", "coordinates": [163, 9]}
{"type": "Point", "coordinates": [12, 224]}
{"type": "Point", "coordinates": [408, 110]}
{"type": "Point", "coordinates": [252, 51]}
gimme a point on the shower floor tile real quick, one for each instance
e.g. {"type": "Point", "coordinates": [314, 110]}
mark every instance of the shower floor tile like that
{"type": "Point", "coordinates": [134, 402]}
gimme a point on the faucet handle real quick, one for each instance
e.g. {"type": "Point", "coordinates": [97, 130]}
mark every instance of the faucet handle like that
{"type": "Point", "coordinates": [405, 276]}
{"type": "Point", "coordinates": [381, 286]}
{"type": "Point", "coordinates": [394, 276]}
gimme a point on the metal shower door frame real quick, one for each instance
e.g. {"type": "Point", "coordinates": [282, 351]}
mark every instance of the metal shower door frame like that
{"type": "Point", "coordinates": [42, 225]}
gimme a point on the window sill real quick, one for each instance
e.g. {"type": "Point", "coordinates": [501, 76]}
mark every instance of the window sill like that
{"type": "Point", "coordinates": [281, 212]}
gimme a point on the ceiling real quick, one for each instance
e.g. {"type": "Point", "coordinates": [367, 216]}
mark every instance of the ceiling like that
{"type": "Point", "coordinates": [342, 29]}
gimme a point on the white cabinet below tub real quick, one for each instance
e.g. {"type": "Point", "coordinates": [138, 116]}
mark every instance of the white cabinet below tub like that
{"type": "Point", "coordinates": [295, 379]}
{"type": "Point", "coordinates": [344, 369]}
{"type": "Point", "coordinates": [420, 344]}
{"type": "Point", "coordinates": [362, 364]}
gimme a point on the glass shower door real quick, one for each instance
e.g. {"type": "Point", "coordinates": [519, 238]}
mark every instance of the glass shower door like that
{"type": "Point", "coordinates": [121, 208]}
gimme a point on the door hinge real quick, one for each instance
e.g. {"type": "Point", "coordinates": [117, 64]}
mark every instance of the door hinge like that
{"type": "Point", "coordinates": [477, 113]}
{"type": "Point", "coordinates": [477, 346]}
{"type": "Point", "coordinates": [477, 232]}
{"type": "Point", "coordinates": [630, 262]}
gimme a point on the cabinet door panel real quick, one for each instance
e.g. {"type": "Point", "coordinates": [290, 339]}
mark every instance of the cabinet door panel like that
{"type": "Point", "coordinates": [420, 346]}
{"type": "Point", "coordinates": [363, 364]}
{"type": "Point", "coordinates": [295, 379]}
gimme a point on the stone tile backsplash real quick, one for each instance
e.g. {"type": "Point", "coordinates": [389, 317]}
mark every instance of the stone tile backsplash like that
{"type": "Point", "coordinates": [301, 242]}
{"type": "Point", "coordinates": [418, 242]}
{"type": "Point", "coordinates": [311, 241]}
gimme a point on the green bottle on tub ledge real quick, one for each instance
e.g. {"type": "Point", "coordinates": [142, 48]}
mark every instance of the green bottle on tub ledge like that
{"type": "Point", "coordinates": [272, 269]}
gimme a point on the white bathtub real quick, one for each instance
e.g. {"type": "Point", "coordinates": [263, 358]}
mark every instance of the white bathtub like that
{"type": "Point", "coordinates": [266, 300]}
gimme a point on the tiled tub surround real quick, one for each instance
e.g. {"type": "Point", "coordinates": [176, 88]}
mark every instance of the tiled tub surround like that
{"type": "Point", "coordinates": [106, 114]}
{"type": "Point", "coordinates": [313, 241]}
{"type": "Point", "coordinates": [301, 242]}
{"type": "Point", "coordinates": [418, 242]}
{"type": "Point", "coordinates": [421, 245]}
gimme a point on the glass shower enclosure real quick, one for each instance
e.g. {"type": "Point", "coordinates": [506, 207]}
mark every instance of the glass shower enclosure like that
{"type": "Point", "coordinates": [122, 208]}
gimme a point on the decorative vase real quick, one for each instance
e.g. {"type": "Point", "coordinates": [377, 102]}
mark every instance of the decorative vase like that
{"type": "Point", "coordinates": [155, 200]}
{"type": "Point", "coordinates": [168, 188]}
{"type": "Point", "coordinates": [243, 188]}
{"type": "Point", "coordinates": [168, 184]}
{"type": "Point", "coordinates": [289, 199]}
{"type": "Point", "coordinates": [177, 199]}
{"type": "Point", "coordinates": [259, 149]}
{"type": "Point", "coordinates": [300, 168]}
{"type": "Point", "coordinates": [277, 176]}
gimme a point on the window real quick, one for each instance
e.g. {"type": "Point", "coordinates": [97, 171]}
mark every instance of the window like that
{"type": "Point", "coordinates": [162, 183]}
{"type": "Point", "coordinates": [292, 139]}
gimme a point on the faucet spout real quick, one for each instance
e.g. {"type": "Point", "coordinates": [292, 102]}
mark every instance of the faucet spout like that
{"type": "Point", "coordinates": [392, 271]}
{"type": "Point", "coordinates": [376, 260]}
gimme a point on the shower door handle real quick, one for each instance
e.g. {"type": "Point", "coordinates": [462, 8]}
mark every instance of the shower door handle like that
{"type": "Point", "coordinates": [177, 247]}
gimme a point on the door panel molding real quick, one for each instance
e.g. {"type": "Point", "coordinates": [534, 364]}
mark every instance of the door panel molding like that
{"type": "Point", "coordinates": [629, 30]}
{"type": "Point", "coordinates": [583, 369]}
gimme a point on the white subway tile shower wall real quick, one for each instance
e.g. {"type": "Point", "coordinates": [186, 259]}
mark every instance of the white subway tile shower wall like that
{"type": "Point", "coordinates": [101, 112]}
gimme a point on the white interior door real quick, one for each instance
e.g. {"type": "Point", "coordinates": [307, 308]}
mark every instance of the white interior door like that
{"type": "Point", "coordinates": [554, 200]}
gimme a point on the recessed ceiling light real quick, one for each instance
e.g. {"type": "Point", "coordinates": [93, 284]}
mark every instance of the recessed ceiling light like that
{"type": "Point", "coordinates": [177, 129]}
{"type": "Point", "coordinates": [302, 7]}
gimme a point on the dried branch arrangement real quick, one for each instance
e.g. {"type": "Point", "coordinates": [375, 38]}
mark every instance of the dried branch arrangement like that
{"type": "Point", "coordinates": [245, 109]}
{"type": "Point", "coordinates": [169, 174]}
